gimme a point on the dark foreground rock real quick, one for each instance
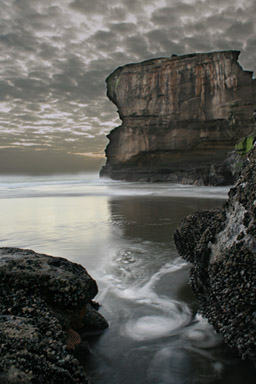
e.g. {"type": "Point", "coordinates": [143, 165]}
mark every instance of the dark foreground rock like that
{"type": "Point", "coordinates": [221, 244]}
{"type": "Point", "coordinates": [44, 301]}
{"type": "Point", "coordinates": [180, 115]}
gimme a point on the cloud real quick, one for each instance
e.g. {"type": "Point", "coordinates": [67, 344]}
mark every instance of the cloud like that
{"type": "Point", "coordinates": [90, 7]}
{"type": "Point", "coordinates": [170, 16]}
{"type": "Point", "coordinates": [56, 55]}
{"type": "Point", "coordinates": [37, 161]}
{"type": "Point", "coordinates": [137, 46]}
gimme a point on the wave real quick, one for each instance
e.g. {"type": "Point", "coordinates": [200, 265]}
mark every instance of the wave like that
{"type": "Point", "coordinates": [89, 184]}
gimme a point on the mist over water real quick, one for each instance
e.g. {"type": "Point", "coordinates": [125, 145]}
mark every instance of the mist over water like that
{"type": "Point", "coordinates": [122, 233]}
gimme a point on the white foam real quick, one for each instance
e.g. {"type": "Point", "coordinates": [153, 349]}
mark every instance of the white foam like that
{"type": "Point", "coordinates": [142, 292]}
{"type": "Point", "coordinates": [151, 327]}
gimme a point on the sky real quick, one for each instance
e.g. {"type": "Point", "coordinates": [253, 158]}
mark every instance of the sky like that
{"type": "Point", "coordinates": [56, 55]}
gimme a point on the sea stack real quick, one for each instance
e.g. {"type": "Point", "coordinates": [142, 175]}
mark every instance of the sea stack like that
{"type": "Point", "coordinates": [180, 117]}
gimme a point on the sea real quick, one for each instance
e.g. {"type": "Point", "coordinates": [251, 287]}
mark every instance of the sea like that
{"type": "Point", "coordinates": [122, 233]}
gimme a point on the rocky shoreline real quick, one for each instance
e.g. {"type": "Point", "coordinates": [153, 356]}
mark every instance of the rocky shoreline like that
{"type": "Point", "coordinates": [45, 302]}
{"type": "Point", "coordinates": [221, 245]}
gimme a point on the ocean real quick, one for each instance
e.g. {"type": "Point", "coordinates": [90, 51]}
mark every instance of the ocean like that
{"type": "Point", "coordinates": [122, 233]}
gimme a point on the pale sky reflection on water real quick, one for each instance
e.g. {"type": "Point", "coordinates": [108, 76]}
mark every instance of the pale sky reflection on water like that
{"type": "Point", "coordinates": [79, 216]}
{"type": "Point", "coordinates": [67, 226]}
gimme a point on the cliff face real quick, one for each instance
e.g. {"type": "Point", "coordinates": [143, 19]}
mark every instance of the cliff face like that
{"type": "Point", "coordinates": [221, 244]}
{"type": "Point", "coordinates": [179, 115]}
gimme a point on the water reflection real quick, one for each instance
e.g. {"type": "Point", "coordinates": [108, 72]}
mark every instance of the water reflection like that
{"type": "Point", "coordinates": [154, 219]}
{"type": "Point", "coordinates": [72, 227]}
{"type": "Point", "coordinates": [155, 335]}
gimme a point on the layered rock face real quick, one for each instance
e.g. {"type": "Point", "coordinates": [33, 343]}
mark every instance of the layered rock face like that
{"type": "Point", "coordinates": [180, 116]}
{"type": "Point", "coordinates": [44, 301]}
{"type": "Point", "coordinates": [221, 244]}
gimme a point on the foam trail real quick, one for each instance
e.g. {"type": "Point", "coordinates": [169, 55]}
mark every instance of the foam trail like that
{"type": "Point", "coordinates": [201, 335]}
{"type": "Point", "coordinates": [164, 316]}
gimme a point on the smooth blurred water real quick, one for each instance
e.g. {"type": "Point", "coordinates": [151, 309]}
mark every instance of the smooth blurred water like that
{"type": "Point", "coordinates": [123, 234]}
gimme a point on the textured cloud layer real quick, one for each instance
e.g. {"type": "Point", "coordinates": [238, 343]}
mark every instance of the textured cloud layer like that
{"type": "Point", "coordinates": [56, 54]}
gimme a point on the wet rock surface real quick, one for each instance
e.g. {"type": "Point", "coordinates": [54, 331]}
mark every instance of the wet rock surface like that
{"type": "Point", "coordinates": [180, 117]}
{"type": "Point", "coordinates": [221, 244]}
{"type": "Point", "coordinates": [43, 303]}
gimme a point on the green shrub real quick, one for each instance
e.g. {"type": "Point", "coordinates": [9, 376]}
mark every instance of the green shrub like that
{"type": "Point", "coordinates": [245, 145]}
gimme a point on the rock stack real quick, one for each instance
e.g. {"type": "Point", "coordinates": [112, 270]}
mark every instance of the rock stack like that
{"type": "Point", "coordinates": [180, 117]}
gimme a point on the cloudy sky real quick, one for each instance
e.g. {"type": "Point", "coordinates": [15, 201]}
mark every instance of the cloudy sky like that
{"type": "Point", "coordinates": [56, 54]}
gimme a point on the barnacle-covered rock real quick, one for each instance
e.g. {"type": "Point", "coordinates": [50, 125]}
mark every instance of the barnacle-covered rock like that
{"type": "Point", "coordinates": [43, 300]}
{"type": "Point", "coordinates": [221, 244]}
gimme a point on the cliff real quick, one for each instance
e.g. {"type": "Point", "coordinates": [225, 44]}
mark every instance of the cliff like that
{"type": "Point", "coordinates": [180, 117]}
{"type": "Point", "coordinates": [221, 244]}
{"type": "Point", "coordinates": [44, 301]}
